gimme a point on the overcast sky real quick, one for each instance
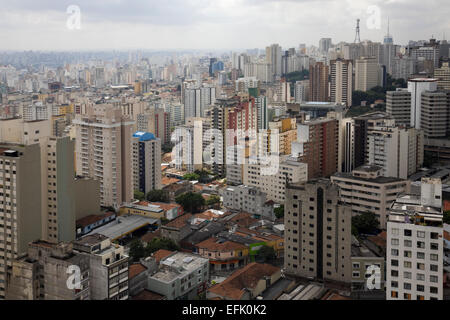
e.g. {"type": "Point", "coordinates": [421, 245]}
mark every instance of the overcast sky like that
{"type": "Point", "coordinates": [213, 24]}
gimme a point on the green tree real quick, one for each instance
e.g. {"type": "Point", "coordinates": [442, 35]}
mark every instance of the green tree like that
{"type": "Point", "coordinates": [137, 250]}
{"type": "Point", "coordinates": [191, 202]}
{"type": "Point", "coordinates": [138, 195]}
{"type": "Point", "coordinates": [191, 176]}
{"type": "Point", "coordinates": [366, 222]}
{"type": "Point", "coordinates": [167, 147]}
{"type": "Point", "coordinates": [279, 212]}
{"type": "Point", "coordinates": [212, 200]}
{"type": "Point", "coordinates": [157, 196]}
{"type": "Point", "coordinates": [160, 243]}
{"type": "Point", "coordinates": [446, 217]}
{"type": "Point", "coordinates": [266, 253]}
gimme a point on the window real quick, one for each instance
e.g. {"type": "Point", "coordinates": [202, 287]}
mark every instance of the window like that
{"type": "Point", "coordinates": [420, 277]}
{"type": "Point", "coordinates": [420, 255]}
{"type": "Point", "coordinates": [434, 235]}
{"type": "Point", "coordinates": [407, 296]}
{"type": "Point", "coordinates": [420, 245]}
{"type": "Point", "coordinates": [407, 286]}
{"type": "Point", "coordinates": [394, 263]}
{"type": "Point", "coordinates": [355, 274]}
{"type": "Point", "coordinates": [394, 294]}
{"type": "Point", "coordinates": [408, 243]}
{"type": "Point", "coordinates": [433, 257]}
{"type": "Point", "coordinates": [395, 232]}
{"type": "Point", "coordinates": [434, 246]}
{"type": "Point", "coordinates": [394, 252]}
{"type": "Point", "coordinates": [356, 265]}
{"type": "Point", "coordinates": [433, 267]}
{"type": "Point", "coordinates": [434, 279]}
{"type": "Point", "coordinates": [407, 254]}
{"type": "Point", "coordinates": [421, 266]}
{"type": "Point", "coordinates": [407, 275]}
{"type": "Point", "coordinates": [407, 233]}
{"type": "Point", "coordinates": [394, 284]}
{"type": "Point", "coordinates": [394, 273]}
{"type": "Point", "coordinates": [394, 242]}
{"type": "Point", "coordinates": [433, 290]}
{"type": "Point", "coordinates": [420, 234]}
{"type": "Point", "coordinates": [420, 288]}
{"type": "Point", "coordinates": [407, 264]}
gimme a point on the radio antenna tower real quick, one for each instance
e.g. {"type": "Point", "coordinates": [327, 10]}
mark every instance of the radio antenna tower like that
{"type": "Point", "coordinates": [357, 36]}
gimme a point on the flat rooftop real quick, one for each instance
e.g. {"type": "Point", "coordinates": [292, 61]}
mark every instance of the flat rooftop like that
{"type": "Point", "coordinates": [178, 265]}
{"type": "Point", "coordinates": [123, 225]}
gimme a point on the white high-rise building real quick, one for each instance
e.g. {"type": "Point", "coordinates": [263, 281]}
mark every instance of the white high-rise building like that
{"type": "Point", "coordinates": [299, 92]}
{"type": "Point", "coordinates": [341, 85]}
{"type": "Point", "coordinates": [417, 86]}
{"type": "Point", "coordinates": [415, 248]}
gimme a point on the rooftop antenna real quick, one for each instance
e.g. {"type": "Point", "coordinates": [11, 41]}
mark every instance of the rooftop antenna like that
{"type": "Point", "coordinates": [357, 36]}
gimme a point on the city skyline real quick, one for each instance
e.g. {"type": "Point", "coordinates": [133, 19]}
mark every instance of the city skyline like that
{"type": "Point", "coordinates": [206, 25]}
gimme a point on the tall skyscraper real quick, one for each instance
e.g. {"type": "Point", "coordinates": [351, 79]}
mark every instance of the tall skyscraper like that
{"type": "Point", "coordinates": [146, 162]}
{"type": "Point", "coordinates": [341, 86]}
{"type": "Point", "coordinates": [317, 232]}
{"type": "Point", "coordinates": [324, 45]}
{"type": "Point", "coordinates": [366, 74]}
{"type": "Point", "coordinates": [398, 106]}
{"type": "Point", "coordinates": [273, 57]}
{"type": "Point", "coordinates": [442, 75]}
{"type": "Point", "coordinates": [417, 86]}
{"type": "Point", "coordinates": [318, 82]}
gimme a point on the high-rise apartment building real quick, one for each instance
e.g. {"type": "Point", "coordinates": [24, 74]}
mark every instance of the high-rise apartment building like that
{"type": "Point", "coordinates": [104, 152]}
{"type": "Point", "coordinates": [108, 267]}
{"type": "Point", "coordinates": [283, 131]}
{"type": "Point", "coordinates": [414, 255]}
{"type": "Point", "coordinates": [146, 162]}
{"type": "Point", "coordinates": [157, 121]}
{"type": "Point", "coordinates": [318, 82]}
{"type": "Point", "coordinates": [317, 145]}
{"type": "Point", "coordinates": [366, 190]}
{"type": "Point", "coordinates": [273, 57]}
{"type": "Point", "coordinates": [299, 92]}
{"type": "Point", "coordinates": [341, 83]}
{"type": "Point", "coordinates": [324, 45]}
{"type": "Point", "coordinates": [416, 87]}
{"type": "Point", "coordinates": [366, 73]}
{"type": "Point", "coordinates": [317, 232]}
{"type": "Point", "coordinates": [435, 113]}
{"type": "Point", "coordinates": [442, 75]}
{"type": "Point", "coordinates": [20, 208]}
{"type": "Point", "coordinates": [398, 106]}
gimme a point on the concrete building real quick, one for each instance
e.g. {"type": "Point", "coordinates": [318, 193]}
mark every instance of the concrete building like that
{"type": "Point", "coordinates": [317, 232]}
{"type": "Point", "coordinates": [442, 75]}
{"type": "Point", "coordinates": [318, 82]}
{"type": "Point", "coordinates": [341, 83]}
{"type": "Point", "coordinates": [223, 254]}
{"type": "Point", "coordinates": [190, 142]}
{"type": "Point", "coordinates": [299, 92]}
{"type": "Point", "coordinates": [435, 114]}
{"type": "Point", "coordinates": [317, 145]}
{"type": "Point", "coordinates": [366, 73]}
{"type": "Point", "coordinates": [104, 152]}
{"type": "Point", "coordinates": [146, 162]}
{"type": "Point", "coordinates": [279, 137]}
{"type": "Point", "coordinates": [42, 273]}
{"type": "Point", "coordinates": [398, 106]}
{"type": "Point", "coordinates": [366, 190]}
{"type": "Point", "coordinates": [403, 67]}
{"type": "Point", "coordinates": [181, 276]}
{"type": "Point", "coordinates": [20, 209]}
{"type": "Point", "coordinates": [273, 57]}
{"type": "Point", "coordinates": [247, 199]}
{"type": "Point", "coordinates": [416, 87]}
{"type": "Point", "coordinates": [397, 150]}
{"type": "Point", "coordinates": [271, 175]}
{"type": "Point", "coordinates": [156, 121]}
{"type": "Point", "coordinates": [108, 267]}
{"type": "Point", "coordinates": [414, 256]}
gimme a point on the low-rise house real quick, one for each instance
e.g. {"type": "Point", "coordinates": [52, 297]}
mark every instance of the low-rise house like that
{"type": "Point", "coordinates": [223, 254]}
{"type": "Point", "coordinates": [137, 277]}
{"type": "Point", "coordinates": [209, 230]}
{"type": "Point", "coordinates": [246, 283]}
{"type": "Point", "coordinates": [178, 228]}
{"type": "Point", "coordinates": [156, 210]}
{"type": "Point", "coordinates": [91, 222]}
{"type": "Point", "coordinates": [175, 189]}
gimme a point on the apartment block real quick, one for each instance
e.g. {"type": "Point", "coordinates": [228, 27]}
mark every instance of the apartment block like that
{"type": "Point", "coordinates": [366, 73]}
{"type": "Point", "coordinates": [104, 152]}
{"type": "Point", "coordinates": [398, 106]}
{"type": "Point", "coordinates": [271, 175]}
{"type": "Point", "coordinates": [341, 84]}
{"type": "Point", "coordinates": [146, 162]}
{"type": "Point", "coordinates": [435, 112]}
{"type": "Point", "coordinates": [247, 199]}
{"type": "Point", "coordinates": [43, 273]}
{"type": "Point", "coordinates": [181, 276]}
{"type": "Point", "coordinates": [318, 146]}
{"type": "Point", "coordinates": [108, 267]}
{"type": "Point", "coordinates": [365, 189]}
{"type": "Point", "coordinates": [318, 82]}
{"type": "Point", "coordinates": [414, 256]}
{"type": "Point", "coordinates": [317, 232]}
{"type": "Point", "coordinates": [20, 203]}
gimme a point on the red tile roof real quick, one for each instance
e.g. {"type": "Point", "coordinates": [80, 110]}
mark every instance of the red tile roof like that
{"type": "Point", "coordinates": [151, 235]}
{"type": "Point", "coordinates": [247, 277]}
{"type": "Point", "coordinates": [211, 244]}
{"type": "Point", "coordinates": [90, 219]}
{"type": "Point", "coordinates": [179, 222]}
{"type": "Point", "coordinates": [135, 269]}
